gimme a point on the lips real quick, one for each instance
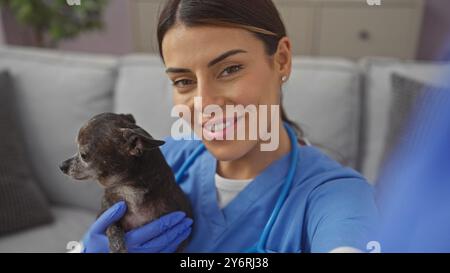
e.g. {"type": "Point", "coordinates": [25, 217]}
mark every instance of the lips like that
{"type": "Point", "coordinates": [218, 124]}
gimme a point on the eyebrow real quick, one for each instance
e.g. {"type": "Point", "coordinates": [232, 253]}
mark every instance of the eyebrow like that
{"type": "Point", "coordinates": [211, 63]}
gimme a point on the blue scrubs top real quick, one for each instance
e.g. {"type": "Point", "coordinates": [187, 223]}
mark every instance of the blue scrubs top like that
{"type": "Point", "coordinates": [328, 206]}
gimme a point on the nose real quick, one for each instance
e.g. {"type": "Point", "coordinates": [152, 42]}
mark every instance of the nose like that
{"type": "Point", "coordinates": [210, 94]}
{"type": "Point", "coordinates": [64, 167]}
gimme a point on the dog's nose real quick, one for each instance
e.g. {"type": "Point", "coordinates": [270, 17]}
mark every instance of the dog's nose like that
{"type": "Point", "coordinates": [64, 167]}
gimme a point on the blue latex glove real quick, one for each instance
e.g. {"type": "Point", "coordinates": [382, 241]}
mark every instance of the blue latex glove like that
{"type": "Point", "coordinates": [161, 235]}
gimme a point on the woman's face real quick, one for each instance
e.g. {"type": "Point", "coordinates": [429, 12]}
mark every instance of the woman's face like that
{"type": "Point", "coordinates": [245, 75]}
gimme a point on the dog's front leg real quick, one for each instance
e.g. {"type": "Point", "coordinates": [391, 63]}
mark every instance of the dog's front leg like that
{"type": "Point", "coordinates": [115, 233]}
{"type": "Point", "coordinates": [116, 236]}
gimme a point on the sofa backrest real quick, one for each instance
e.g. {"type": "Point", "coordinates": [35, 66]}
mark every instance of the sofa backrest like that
{"type": "Point", "coordinates": [323, 95]}
{"type": "Point", "coordinates": [57, 93]}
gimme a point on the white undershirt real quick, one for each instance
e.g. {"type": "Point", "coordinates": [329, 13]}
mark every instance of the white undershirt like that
{"type": "Point", "coordinates": [227, 189]}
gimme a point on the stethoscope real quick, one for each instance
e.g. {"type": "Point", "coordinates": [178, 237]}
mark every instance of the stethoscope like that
{"type": "Point", "coordinates": [260, 245]}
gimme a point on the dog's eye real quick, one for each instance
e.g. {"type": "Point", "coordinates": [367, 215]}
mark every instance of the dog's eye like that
{"type": "Point", "coordinates": [83, 156]}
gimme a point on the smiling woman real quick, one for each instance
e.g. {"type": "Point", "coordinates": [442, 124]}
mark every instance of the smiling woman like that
{"type": "Point", "coordinates": [289, 199]}
{"type": "Point", "coordinates": [230, 53]}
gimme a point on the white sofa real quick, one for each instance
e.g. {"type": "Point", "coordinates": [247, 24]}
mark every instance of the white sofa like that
{"type": "Point", "coordinates": [341, 105]}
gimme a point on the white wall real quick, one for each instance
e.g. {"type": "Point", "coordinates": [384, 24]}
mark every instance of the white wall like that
{"type": "Point", "coordinates": [115, 38]}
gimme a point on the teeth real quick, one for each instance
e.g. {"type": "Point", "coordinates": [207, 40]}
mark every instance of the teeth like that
{"type": "Point", "coordinates": [219, 127]}
{"type": "Point", "coordinates": [210, 128]}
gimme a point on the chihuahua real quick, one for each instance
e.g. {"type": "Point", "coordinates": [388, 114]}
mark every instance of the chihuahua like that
{"type": "Point", "coordinates": [128, 164]}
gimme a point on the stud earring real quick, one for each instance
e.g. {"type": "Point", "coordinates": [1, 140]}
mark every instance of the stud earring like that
{"type": "Point", "coordinates": [284, 79]}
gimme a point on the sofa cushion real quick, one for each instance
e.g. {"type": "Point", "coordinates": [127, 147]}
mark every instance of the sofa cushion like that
{"type": "Point", "coordinates": [378, 101]}
{"type": "Point", "coordinates": [70, 225]}
{"type": "Point", "coordinates": [57, 93]}
{"type": "Point", "coordinates": [322, 95]}
{"type": "Point", "coordinates": [22, 204]}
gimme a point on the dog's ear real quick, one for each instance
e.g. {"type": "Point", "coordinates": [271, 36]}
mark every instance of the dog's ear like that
{"type": "Point", "coordinates": [138, 141]}
{"type": "Point", "coordinates": [129, 117]}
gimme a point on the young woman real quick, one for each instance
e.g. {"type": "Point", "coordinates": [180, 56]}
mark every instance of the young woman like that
{"type": "Point", "coordinates": [230, 52]}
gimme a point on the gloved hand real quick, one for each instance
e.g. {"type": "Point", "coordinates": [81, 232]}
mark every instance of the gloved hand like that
{"type": "Point", "coordinates": [161, 235]}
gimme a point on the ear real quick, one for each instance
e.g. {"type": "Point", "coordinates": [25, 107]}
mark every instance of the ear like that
{"type": "Point", "coordinates": [283, 57]}
{"type": "Point", "coordinates": [129, 117]}
{"type": "Point", "coordinates": [138, 141]}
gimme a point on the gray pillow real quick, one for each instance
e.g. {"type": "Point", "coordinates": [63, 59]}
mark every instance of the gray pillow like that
{"type": "Point", "coordinates": [22, 204]}
{"type": "Point", "coordinates": [406, 97]}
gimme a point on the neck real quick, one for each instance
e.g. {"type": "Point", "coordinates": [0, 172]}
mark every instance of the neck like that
{"type": "Point", "coordinates": [255, 161]}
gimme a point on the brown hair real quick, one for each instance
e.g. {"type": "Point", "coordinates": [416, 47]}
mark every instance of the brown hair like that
{"type": "Point", "coordinates": [260, 17]}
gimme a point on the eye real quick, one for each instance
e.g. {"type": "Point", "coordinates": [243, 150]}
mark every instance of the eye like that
{"type": "Point", "coordinates": [84, 156]}
{"type": "Point", "coordinates": [182, 83]}
{"type": "Point", "coordinates": [231, 70]}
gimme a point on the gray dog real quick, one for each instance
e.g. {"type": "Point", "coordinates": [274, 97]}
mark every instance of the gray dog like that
{"type": "Point", "coordinates": [127, 162]}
